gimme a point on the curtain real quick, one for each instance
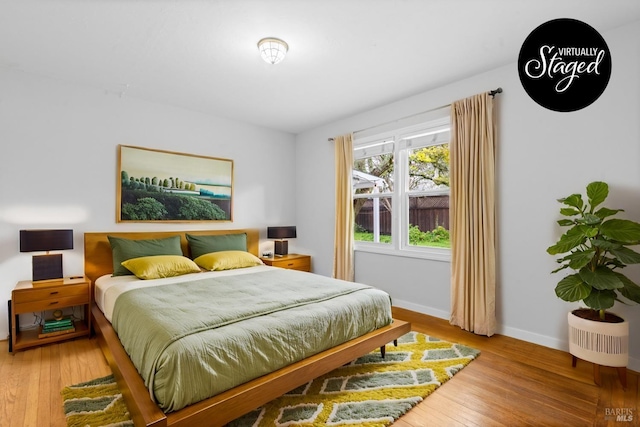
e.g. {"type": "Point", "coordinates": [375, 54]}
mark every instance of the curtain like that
{"type": "Point", "coordinates": [343, 238]}
{"type": "Point", "coordinates": [472, 214]}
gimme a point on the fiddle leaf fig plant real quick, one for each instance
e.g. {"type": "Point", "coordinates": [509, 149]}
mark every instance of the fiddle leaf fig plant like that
{"type": "Point", "coordinates": [596, 247]}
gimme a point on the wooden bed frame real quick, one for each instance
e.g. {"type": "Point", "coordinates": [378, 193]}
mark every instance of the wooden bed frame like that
{"type": "Point", "coordinates": [231, 404]}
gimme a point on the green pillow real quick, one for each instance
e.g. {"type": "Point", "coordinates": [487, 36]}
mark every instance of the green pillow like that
{"type": "Point", "coordinates": [200, 245]}
{"type": "Point", "coordinates": [124, 249]}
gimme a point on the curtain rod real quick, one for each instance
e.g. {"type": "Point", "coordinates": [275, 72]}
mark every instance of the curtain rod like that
{"type": "Point", "coordinates": [492, 93]}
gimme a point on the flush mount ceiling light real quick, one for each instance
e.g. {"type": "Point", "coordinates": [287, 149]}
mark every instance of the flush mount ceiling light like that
{"type": "Point", "coordinates": [272, 50]}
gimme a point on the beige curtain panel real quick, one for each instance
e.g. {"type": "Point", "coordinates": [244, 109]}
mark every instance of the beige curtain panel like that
{"type": "Point", "coordinates": [472, 214]}
{"type": "Point", "coordinates": [343, 240]}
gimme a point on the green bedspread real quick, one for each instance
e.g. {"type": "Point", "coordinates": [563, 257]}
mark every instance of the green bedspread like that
{"type": "Point", "coordinates": [193, 340]}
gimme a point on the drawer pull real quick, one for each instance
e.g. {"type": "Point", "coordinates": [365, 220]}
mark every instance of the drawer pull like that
{"type": "Point", "coordinates": [53, 303]}
{"type": "Point", "coordinates": [53, 293]}
{"type": "Point", "coordinates": [290, 264]}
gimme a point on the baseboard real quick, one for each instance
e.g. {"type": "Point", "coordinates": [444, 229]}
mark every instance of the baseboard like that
{"type": "Point", "coordinates": [543, 340]}
{"type": "Point", "coordinates": [441, 314]}
{"type": "Point", "coordinates": [533, 337]}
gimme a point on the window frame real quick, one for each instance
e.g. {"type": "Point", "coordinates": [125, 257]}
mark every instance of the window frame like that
{"type": "Point", "coordinates": [402, 140]}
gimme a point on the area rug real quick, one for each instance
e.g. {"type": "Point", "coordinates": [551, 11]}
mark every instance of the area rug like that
{"type": "Point", "coordinates": [95, 403]}
{"type": "Point", "coordinates": [370, 391]}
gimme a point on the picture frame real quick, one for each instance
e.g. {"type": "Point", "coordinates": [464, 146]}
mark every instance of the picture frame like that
{"type": "Point", "coordinates": [165, 186]}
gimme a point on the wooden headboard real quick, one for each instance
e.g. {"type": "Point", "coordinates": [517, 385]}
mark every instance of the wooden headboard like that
{"type": "Point", "coordinates": [97, 250]}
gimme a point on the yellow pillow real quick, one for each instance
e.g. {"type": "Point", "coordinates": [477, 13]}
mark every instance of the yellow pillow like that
{"type": "Point", "coordinates": [227, 260]}
{"type": "Point", "coordinates": [158, 266]}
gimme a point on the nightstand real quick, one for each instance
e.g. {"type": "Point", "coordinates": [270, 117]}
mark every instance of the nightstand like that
{"type": "Point", "coordinates": [291, 261]}
{"type": "Point", "coordinates": [28, 297]}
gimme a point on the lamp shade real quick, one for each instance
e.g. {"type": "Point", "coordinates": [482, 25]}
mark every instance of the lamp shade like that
{"type": "Point", "coordinates": [45, 240]}
{"type": "Point", "coordinates": [281, 232]}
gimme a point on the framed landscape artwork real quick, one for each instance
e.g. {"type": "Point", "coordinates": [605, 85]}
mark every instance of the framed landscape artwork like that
{"type": "Point", "coordinates": [164, 186]}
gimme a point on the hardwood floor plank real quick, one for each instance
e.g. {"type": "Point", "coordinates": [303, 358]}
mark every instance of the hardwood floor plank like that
{"type": "Point", "coordinates": [8, 379]}
{"type": "Point", "coordinates": [424, 415]}
{"type": "Point", "coordinates": [32, 379]}
{"type": "Point", "coordinates": [20, 402]}
{"type": "Point", "coordinates": [460, 413]}
{"type": "Point", "coordinates": [56, 384]}
{"type": "Point", "coordinates": [512, 383]}
{"type": "Point", "coordinates": [44, 384]}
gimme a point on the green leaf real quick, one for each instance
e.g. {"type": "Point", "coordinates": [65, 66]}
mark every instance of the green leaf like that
{"type": "Point", "coordinates": [600, 299]}
{"type": "Point", "coordinates": [605, 212]}
{"type": "Point", "coordinates": [601, 278]}
{"type": "Point", "coordinates": [626, 255]}
{"type": "Point", "coordinates": [597, 192]}
{"type": "Point", "coordinates": [579, 259]}
{"type": "Point", "coordinates": [612, 262]}
{"type": "Point", "coordinates": [621, 230]}
{"type": "Point", "coordinates": [631, 291]}
{"type": "Point", "coordinates": [572, 288]}
{"type": "Point", "coordinates": [561, 268]}
{"type": "Point", "coordinates": [569, 211]}
{"type": "Point", "coordinates": [589, 231]}
{"type": "Point", "coordinates": [574, 200]}
{"type": "Point", "coordinates": [605, 244]}
{"type": "Point", "coordinates": [565, 222]}
{"type": "Point", "coordinates": [591, 219]}
{"type": "Point", "coordinates": [569, 240]}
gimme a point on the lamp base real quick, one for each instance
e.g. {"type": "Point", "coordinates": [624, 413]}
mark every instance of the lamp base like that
{"type": "Point", "coordinates": [47, 267]}
{"type": "Point", "coordinates": [281, 247]}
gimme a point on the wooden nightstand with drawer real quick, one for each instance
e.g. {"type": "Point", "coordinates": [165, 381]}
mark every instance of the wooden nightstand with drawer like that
{"type": "Point", "coordinates": [291, 261]}
{"type": "Point", "coordinates": [28, 297]}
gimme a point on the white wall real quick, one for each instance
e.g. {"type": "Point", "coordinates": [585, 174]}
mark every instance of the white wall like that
{"type": "Point", "coordinates": [59, 166]}
{"type": "Point", "coordinates": [542, 156]}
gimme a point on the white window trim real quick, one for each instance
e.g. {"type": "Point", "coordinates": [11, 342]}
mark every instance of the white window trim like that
{"type": "Point", "coordinates": [433, 254]}
{"type": "Point", "coordinates": [402, 142]}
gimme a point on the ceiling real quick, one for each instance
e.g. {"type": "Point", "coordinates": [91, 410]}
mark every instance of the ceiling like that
{"type": "Point", "coordinates": [345, 56]}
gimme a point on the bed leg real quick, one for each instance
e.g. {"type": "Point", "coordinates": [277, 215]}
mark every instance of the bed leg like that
{"type": "Point", "coordinates": [383, 349]}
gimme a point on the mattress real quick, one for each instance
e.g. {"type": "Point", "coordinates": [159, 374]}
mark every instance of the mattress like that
{"type": "Point", "coordinates": [107, 288]}
{"type": "Point", "coordinates": [197, 335]}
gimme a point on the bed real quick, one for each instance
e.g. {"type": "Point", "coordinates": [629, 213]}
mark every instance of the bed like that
{"type": "Point", "coordinates": [152, 406]}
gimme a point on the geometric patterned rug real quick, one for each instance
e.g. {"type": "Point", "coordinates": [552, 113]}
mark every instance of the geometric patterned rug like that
{"type": "Point", "coordinates": [370, 391]}
{"type": "Point", "coordinates": [95, 403]}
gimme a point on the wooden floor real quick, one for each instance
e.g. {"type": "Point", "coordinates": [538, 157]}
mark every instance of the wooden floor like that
{"type": "Point", "coordinates": [515, 383]}
{"type": "Point", "coordinates": [512, 383]}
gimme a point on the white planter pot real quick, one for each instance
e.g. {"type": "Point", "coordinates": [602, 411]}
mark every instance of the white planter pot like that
{"type": "Point", "coordinates": [603, 343]}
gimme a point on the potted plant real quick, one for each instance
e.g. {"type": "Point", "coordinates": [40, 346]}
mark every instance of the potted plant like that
{"type": "Point", "coordinates": [596, 248]}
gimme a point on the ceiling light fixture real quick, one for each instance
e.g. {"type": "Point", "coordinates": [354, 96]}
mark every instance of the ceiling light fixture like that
{"type": "Point", "coordinates": [272, 50]}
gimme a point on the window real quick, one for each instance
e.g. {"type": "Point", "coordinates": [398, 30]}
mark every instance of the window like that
{"type": "Point", "coordinates": [373, 182]}
{"type": "Point", "coordinates": [401, 190]}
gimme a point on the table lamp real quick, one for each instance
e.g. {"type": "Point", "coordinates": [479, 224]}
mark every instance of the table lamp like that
{"type": "Point", "coordinates": [49, 266]}
{"type": "Point", "coordinates": [281, 246]}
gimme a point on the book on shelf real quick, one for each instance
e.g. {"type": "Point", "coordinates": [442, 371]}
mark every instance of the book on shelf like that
{"type": "Point", "coordinates": [57, 328]}
{"type": "Point", "coordinates": [47, 334]}
{"type": "Point", "coordinates": [53, 323]}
